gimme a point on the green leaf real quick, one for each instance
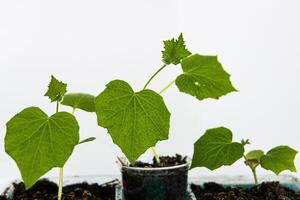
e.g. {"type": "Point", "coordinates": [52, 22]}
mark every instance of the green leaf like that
{"type": "Point", "coordinates": [204, 77]}
{"type": "Point", "coordinates": [38, 143]}
{"type": "Point", "coordinates": [135, 120]}
{"type": "Point", "coordinates": [279, 159]}
{"type": "Point", "coordinates": [81, 101]}
{"type": "Point", "coordinates": [56, 89]}
{"type": "Point", "coordinates": [215, 149]}
{"type": "Point", "coordinates": [90, 139]}
{"type": "Point", "coordinates": [253, 158]}
{"type": "Point", "coordinates": [174, 51]}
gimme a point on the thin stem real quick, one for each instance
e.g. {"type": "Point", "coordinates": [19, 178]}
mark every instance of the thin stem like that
{"type": "Point", "coordinates": [154, 75]}
{"type": "Point", "coordinates": [60, 183]}
{"type": "Point", "coordinates": [61, 170]}
{"type": "Point", "coordinates": [57, 106]}
{"type": "Point", "coordinates": [155, 154]}
{"type": "Point", "coordinates": [255, 176]}
{"type": "Point", "coordinates": [165, 88]}
{"type": "Point", "coordinates": [73, 111]}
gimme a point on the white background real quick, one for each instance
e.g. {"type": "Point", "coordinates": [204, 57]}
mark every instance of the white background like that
{"type": "Point", "coordinates": [88, 43]}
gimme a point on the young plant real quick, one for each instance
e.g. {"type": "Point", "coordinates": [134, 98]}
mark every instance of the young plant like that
{"type": "Point", "coordinates": [38, 142]}
{"type": "Point", "coordinates": [277, 159]}
{"type": "Point", "coordinates": [216, 148]}
{"type": "Point", "coordinates": [136, 121]}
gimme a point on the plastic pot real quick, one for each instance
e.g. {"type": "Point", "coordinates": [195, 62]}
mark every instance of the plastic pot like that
{"type": "Point", "coordinates": [167, 183]}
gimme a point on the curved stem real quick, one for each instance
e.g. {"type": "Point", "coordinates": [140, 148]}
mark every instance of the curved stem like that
{"type": "Point", "coordinates": [154, 75]}
{"type": "Point", "coordinates": [60, 183]}
{"type": "Point", "coordinates": [155, 154]}
{"type": "Point", "coordinates": [165, 88]}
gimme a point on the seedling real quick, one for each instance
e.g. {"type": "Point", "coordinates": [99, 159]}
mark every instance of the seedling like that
{"type": "Point", "coordinates": [38, 142]}
{"type": "Point", "coordinates": [216, 148]}
{"type": "Point", "coordinates": [136, 121]}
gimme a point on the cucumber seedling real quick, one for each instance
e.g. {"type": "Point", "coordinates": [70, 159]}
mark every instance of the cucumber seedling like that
{"type": "Point", "coordinates": [216, 148]}
{"type": "Point", "coordinates": [136, 121]}
{"type": "Point", "coordinates": [38, 142]}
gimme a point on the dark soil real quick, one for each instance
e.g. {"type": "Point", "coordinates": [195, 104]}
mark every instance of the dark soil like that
{"type": "Point", "coordinates": [166, 184]}
{"type": "Point", "coordinates": [165, 161]}
{"type": "Point", "coordinates": [47, 190]}
{"type": "Point", "coordinates": [266, 191]}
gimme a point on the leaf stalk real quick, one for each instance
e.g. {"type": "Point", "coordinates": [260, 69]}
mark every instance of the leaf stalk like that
{"type": "Point", "coordinates": [165, 88]}
{"type": "Point", "coordinates": [151, 78]}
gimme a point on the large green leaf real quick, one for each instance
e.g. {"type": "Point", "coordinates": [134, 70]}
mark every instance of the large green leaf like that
{"type": "Point", "coordinates": [204, 77]}
{"type": "Point", "coordinates": [56, 89]}
{"type": "Point", "coordinates": [135, 120]}
{"type": "Point", "coordinates": [38, 143]}
{"type": "Point", "coordinates": [215, 149]}
{"type": "Point", "coordinates": [81, 101]}
{"type": "Point", "coordinates": [279, 159]}
{"type": "Point", "coordinates": [174, 51]}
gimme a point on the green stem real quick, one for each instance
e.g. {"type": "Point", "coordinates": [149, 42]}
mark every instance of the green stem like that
{"type": "Point", "coordinates": [154, 75]}
{"type": "Point", "coordinates": [155, 154]}
{"type": "Point", "coordinates": [60, 183]}
{"type": "Point", "coordinates": [73, 111]}
{"type": "Point", "coordinates": [61, 170]}
{"type": "Point", "coordinates": [165, 88]}
{"type": "Point", "coordinates": [57, 106]}
{"type": "Point", "coordinates": [255, 176]}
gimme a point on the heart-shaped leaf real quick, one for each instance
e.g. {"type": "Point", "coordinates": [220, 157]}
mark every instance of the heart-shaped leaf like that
{"type": "Point", "coordinates": [204, 77]}
{"type": "Point", "coordinates": [215, 149]}
{"type": "Point", "coordinates": [135, 120]}
{"type": "Point", "coordinates": [279, 159]}
{"type": "Point", "coordinates": [81, 101]}
{"type": "Point", "coordinates": [38, 143]}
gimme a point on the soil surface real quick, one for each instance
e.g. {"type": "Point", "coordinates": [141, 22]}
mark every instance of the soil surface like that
{"type": "Point", "coordinates": [165, 161]}
{"type": "Point", "coordinates": [47, 190]}
{"type": "Point", "coordinates": [265, 191]}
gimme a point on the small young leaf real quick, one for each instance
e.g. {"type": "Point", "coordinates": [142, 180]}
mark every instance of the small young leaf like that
{"type": "Point", "coordinates": [135, 120]}
{"type": "Point", "coordinates": [253, 158]}
{"type": "Point", "coordinates": [38, 143]}
{"type": "Point", "coordinates": [90, 139]}
{"type": "Point", "coordinates": [279, 159]}
{"type": "Point", "coordinates": [174, 51]}
{"type": "Point", "coordinates": [81, 101]}
{"type": "Point", "coordinates": [204, 77]}
{"type": "Point", "coordinates": [56, 89]}
{"type": "Point", "coordinates": [215, 149]}
{"type": "Point", "coordinates": [255, 154]}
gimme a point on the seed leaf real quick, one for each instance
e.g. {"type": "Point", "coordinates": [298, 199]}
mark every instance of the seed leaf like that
{"type": "Point", "coordinates": [279, 159]}
{"type": "Point", "coordinates": [135, 120]}
{"type": "Point", "coordinates": [174, 51]}
{"type": "Point", "coordinates": [204, 77]}
{"type": "Point", "coordinates": [81, 101]}
{"type": "Point", "coordinates": [38, 143]}
{"type": "Point", "coordinates": [56, 89]}
{"type": "Point", "coordinates": [215, 149]}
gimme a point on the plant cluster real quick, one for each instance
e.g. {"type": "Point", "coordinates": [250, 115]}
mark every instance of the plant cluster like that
{"type": "Point", "coordinates": [135, 120]}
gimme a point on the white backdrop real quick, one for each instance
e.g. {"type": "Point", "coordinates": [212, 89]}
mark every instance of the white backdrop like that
{"type": "Point", "coordinates": [89, 43]}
